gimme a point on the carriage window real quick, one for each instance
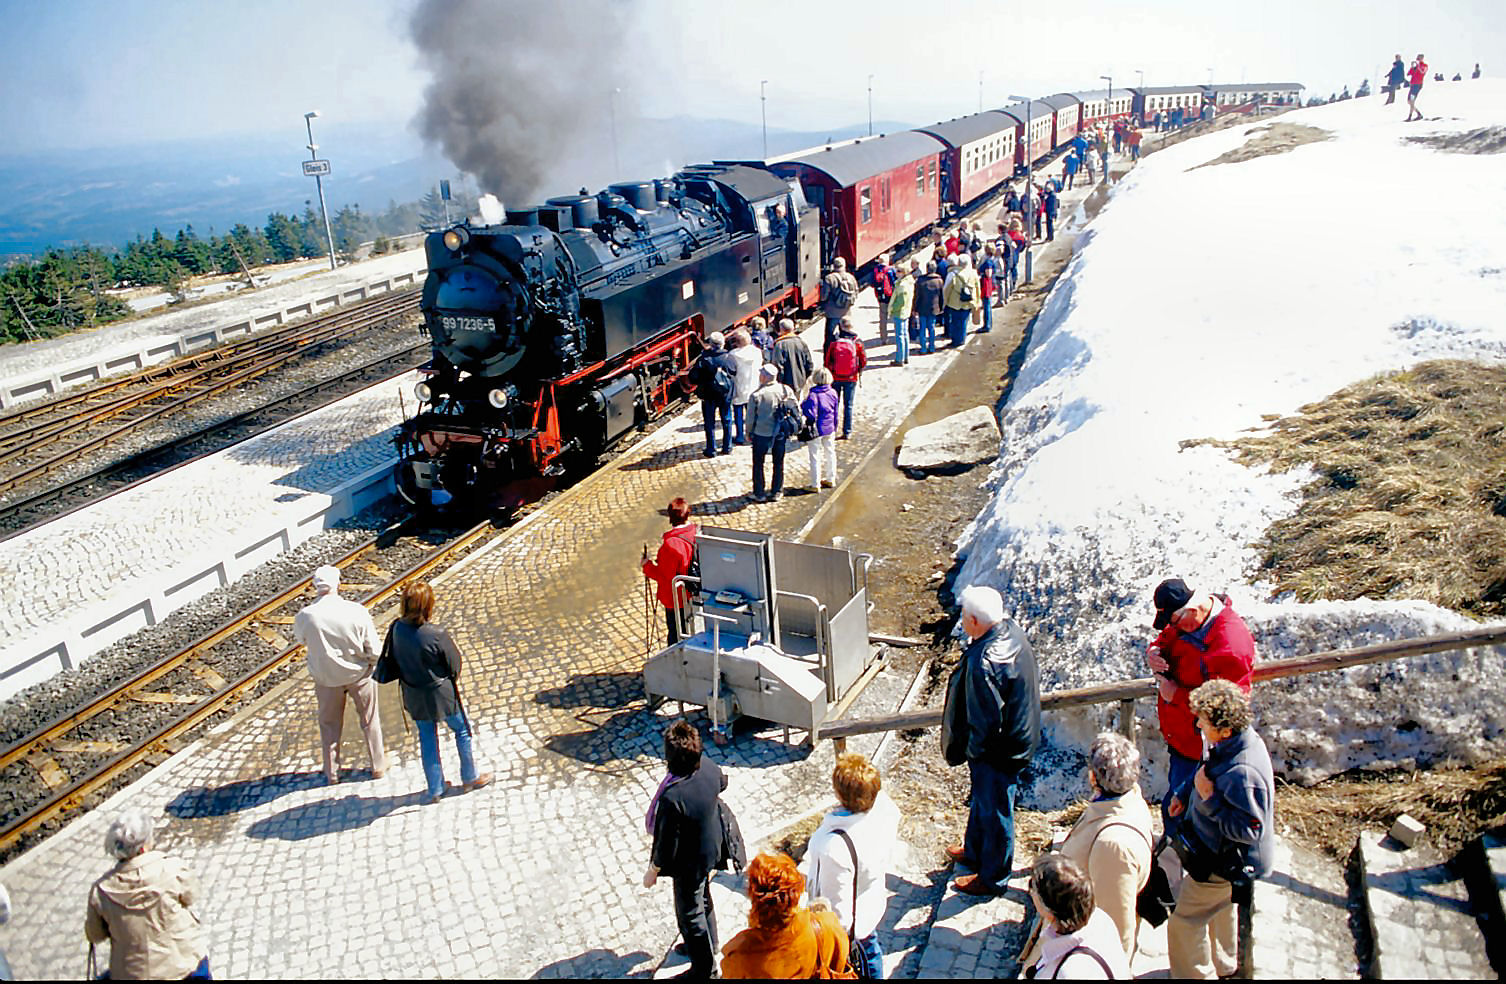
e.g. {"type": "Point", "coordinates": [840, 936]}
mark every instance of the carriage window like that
{"type": "Point", "coordinates": [931, 176]}
{"type": "Point", "coordinates": [920, 179]}
{"type": "Point", "coordinates": [865, 199]}
{"type": "Point", "coordinates": [887, 199]}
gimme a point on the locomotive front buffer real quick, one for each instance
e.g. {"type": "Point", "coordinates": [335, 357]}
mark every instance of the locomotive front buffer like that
{"type": "Point", "coordinates": [780, 633]}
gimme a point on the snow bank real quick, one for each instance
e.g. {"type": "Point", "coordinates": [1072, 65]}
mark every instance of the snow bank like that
{"type": "Point", "coordinates": [1202, 299]}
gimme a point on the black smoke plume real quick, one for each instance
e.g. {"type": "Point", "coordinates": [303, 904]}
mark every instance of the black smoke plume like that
{"type": "Point", "coordinates": [520, 90]}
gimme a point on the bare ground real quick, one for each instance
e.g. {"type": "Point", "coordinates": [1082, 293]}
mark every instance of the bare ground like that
{"type": "Point", "coordinates": [1273, 138]}
{"type": "Point", "coordinates": [1485, 140]}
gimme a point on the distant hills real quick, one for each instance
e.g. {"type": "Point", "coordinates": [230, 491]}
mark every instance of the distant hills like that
{"type": "Point", "coordinates": [108, 196]}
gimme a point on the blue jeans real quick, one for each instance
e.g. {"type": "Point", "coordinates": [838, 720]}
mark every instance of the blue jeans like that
{"type": "Point", "coordinates": [901, 342]}
{"type": "Point", "coordinates": [956, 326]}
{"type": "Point", "coordinates": [1179, 775]}
{"type": "Point", "coordinates": [710, 410]}
{"type": "Point", "coordinates": [927, 334]}
{"type": "Point", "coordinates": [845, 393]}
{"type": "Point", "coordinates": [868, 958]}
{"type": "Point", "coordinates": [988, 314]}
{"type": "Point", "coordinates": [989, 840]}
{"type": "Point", "coordinates": [428, 749]}
{"type": "Point", "coordinates": [739, 417]}
{"type": "Point", "coordinates": [762, 447]}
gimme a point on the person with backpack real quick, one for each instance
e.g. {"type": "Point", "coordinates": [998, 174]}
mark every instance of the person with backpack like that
{"type": "Point", "coordinates": [838, 291]}
{"type": "Point", "coordinates": [883, 289]}
{"type": "Point", "coordinates": [900, 306]}
{"type": "Point", "coordinates": [774, 418]}
{"type": "Point", "coordinates": [849, 856]}
{"type": "Point", "coordinates": [676, 553]}
{"type": "Point", "coordinates": [715, 378]}
{"type": "Point", "coordinates": [928, 289]}
{"type": "Point", "coordinates": [846, 359]}
{"type": "Point", "coordinates": [792, 358]}
{"type": "Point", "coordinates": [820, 408]}
{"type": "Point", "coordinates": [960, 295]}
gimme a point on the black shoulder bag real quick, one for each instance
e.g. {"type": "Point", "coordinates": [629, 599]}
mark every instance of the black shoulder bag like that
{"type": "Point", "coordinates": [860, 967]}
{"type": "Point", "coordinates": [386, 670]}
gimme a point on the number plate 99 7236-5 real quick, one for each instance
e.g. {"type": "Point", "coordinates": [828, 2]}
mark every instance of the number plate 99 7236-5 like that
{"type": "Point", "coordinates": [461, 322]}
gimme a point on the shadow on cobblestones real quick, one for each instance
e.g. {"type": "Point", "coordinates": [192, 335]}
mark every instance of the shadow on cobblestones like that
{"type": "Point", "coordinates": [328, 816]}
{"type": "Point", "coordinates": [594, 690]}
{"type": "Point", "coordinates": [667, 458]}
{"type": "Point", "coordinates": [597, 964]}
{"type": "Point", "coordinates": [723, 506]}
{"type": "Point", "coordinates": [220, 801]}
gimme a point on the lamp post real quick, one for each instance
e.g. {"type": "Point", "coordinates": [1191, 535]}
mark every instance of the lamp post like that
{"type": "Point", "coordinates": [329, 236]}
{"type": "Point", "coordinates": [616, 160]}
{"type": "Point", "coordinates": [870, 105]}
{"type": "Point", "coordinates": [1141, 72]}
{"type": "Point", "coordinates": [1029, 190]}
{"type": "Point", "coordinates": [763, 108]}
{"type": "Point", "coordinates": [1110, 80]}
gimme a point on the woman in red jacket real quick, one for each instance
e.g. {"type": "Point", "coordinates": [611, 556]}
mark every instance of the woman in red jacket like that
{"type": "Point", "coordinates": [672, 560]}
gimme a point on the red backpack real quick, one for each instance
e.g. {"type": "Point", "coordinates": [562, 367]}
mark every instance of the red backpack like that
{"type": "Point", "coordinates": [844, 358]}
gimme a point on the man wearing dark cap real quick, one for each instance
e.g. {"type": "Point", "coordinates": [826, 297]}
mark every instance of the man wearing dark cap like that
{"type": "Point", "coordinates": [1201, 639]}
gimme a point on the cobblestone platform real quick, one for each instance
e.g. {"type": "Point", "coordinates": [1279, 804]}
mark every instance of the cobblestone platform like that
{"type": "Point", "coordinates": [1420, 915]}
{"type": "Point", "coordinates": [84, 580]}
{"type": "Point", "coordinates": [538, 875]}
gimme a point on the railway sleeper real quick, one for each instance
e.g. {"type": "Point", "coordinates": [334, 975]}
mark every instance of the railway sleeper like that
{"type": "Point", "coordinates": [48, 769]}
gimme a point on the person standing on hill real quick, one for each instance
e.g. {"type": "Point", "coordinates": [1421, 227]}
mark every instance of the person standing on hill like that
{"type": "Point", "coordinates": [1202, 639]}
{"type": "Point", "coordinates": [676, 550]}
{"type": "Point", "coordinates": [991, 721]}
{"type": "Point", "coordinates": [1416, 76]}
{"type": "Point", "coordinates": [838, 290]}
{"type": "Point", "coordinates": [846, 359]}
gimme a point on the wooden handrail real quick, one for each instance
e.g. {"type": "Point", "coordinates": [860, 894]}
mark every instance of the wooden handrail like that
{"type": "Point", "coordinates": [1130, 690]}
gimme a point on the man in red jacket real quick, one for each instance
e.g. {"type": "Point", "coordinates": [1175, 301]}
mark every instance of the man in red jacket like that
{"type": "Point", "coordinates": [673, 559]}
{"type": "Point", "coordinates": [1201, 639]}
{"type": "Point", "coordinates": [1416, 75]}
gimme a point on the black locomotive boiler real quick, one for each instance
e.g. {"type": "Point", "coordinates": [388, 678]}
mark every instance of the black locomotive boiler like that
{"type": "Point", "coordinates": [559, 330]}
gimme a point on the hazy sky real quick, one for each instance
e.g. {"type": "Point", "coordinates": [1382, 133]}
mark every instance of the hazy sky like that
{"type": "Point", "coordinates": [85, 73]}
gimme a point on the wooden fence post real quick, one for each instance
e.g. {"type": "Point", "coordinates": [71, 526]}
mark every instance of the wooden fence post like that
{"type": "Point", "coordinates": [1127, 718]}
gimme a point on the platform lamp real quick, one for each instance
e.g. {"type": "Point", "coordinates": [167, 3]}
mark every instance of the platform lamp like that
{"type": "Point", "coordinates": [763, 108]}
{"type": "Point", "coordinates": [329, 237]}
{"type": "Point", "coordinates": [1029, 189]}
{"type": "Point", "coordinates": [870, 105]}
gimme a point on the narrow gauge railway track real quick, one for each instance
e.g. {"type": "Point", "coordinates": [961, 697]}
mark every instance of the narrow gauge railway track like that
{"type": "Point", "coordinates": [24, 437]}
{"type": "Point", "coordinates": [63, 497]}
{"type": "Point", "coordinates": [63, 765]}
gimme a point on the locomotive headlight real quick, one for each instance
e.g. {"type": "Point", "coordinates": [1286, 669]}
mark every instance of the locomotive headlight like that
{"type": "Point", "coordinates": [456, 238]}
{"type": "Point", "coordinates": [424, 392]}
{"type": "Point", "coordinates": [497, 398]}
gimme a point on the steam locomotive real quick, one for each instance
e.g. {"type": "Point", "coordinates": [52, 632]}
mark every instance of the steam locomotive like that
{"type": "Point", "coordinates": [563, 327]}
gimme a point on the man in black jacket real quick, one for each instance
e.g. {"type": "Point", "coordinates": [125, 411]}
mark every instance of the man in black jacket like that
{"type": "Point", "coordinates": [992, 721]}
{"type": "Point", "coordinates": [688, 843]}
{"type": "Point", "coordinates": [714, 374]}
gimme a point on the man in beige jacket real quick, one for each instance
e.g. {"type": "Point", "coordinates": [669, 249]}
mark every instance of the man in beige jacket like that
{"type": "Point", "coordinates": [340, 641]}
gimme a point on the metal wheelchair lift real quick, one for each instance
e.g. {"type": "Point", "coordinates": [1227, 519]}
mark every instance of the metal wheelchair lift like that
{"type": "Point", "coordinates": [781, 631]}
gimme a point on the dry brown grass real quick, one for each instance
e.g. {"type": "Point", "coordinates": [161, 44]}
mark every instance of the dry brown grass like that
{"type": "Point", "coordinates": [1410, 501]}
{"type": "Point", "coordinates": [1456, 804]}
{"type": "Point", "coordinates": [1273, 138]}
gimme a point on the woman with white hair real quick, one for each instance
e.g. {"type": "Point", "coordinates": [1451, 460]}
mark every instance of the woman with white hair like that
{"type": "Point", "coordinates": [142, 907]}
{"type": "Point", "coordinates": [1112, 839]}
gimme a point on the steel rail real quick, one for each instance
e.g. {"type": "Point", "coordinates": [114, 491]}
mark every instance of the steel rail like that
{"type": "Point", "coordinates": [18, 442]}
{"type": "Point", "coordinates": [266, 364]}
{"type": "Point", "coordinates": [155, 372]}
{"type": "Point", "coordinates": [404, 358]}
{"type": "Point", "coordinates": [74, 794]}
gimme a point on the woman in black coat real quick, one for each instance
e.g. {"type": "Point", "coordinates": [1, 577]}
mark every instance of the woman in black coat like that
{"type": "Point", "coordinates": [428, 665]}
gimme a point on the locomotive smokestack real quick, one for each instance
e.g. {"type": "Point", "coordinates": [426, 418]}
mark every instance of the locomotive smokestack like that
{"type": "Point", "coordinates": [519, 90]}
